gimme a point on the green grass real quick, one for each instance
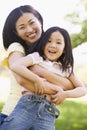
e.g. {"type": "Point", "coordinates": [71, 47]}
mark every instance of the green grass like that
{"type": "Point", "coordinates": [73, 116]}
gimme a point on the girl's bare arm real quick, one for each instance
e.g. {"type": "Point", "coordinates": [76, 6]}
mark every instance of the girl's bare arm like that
{"type": "Point", "coordinates": [79, 91]}
{"type": "Point", "coordinates": [65, 83]}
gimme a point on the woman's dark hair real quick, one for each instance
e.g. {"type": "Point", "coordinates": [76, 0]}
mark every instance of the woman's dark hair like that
{"type": "Point", "coordinates": [66, 58]}
{"type": "Point", "coordinates": [9, 35]}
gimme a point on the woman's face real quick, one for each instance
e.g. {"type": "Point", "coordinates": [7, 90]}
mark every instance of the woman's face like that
{"type": "Point", "coordinates": [28, 28]}
{"type": "Point", "coordinates": [55, 46]}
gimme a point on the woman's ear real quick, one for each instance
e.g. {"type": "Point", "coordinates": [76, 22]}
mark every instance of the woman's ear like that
{"type": "Point", "coordinates": [15, 32]}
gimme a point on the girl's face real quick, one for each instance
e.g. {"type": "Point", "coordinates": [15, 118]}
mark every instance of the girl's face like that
{"type": "Point", "coordinates": [55, 46]}
{"type": "Point", "coordinates": [28, 28]}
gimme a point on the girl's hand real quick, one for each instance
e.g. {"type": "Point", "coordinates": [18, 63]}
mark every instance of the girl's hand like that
{"type": "Point", "coordinates": [59, 97]}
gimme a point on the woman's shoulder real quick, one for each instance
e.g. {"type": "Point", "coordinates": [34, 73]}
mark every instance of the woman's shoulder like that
{"type": "Point", "coordinates": [12, 48]}
{"type": "Point", "coordinates": [15, 47]}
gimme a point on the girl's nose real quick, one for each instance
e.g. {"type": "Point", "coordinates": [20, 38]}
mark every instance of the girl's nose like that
{"type": "Point", "coordinates": [53, 44]}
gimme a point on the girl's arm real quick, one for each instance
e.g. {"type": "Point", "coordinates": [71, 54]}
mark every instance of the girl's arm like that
{"type": "Point", "coordinates": [79, 91]}
{"type": "Point", "coordinates": [80, 88]}
{"type": "Point", "coordinates": [65, 83]}
{"type": "Point", "coordinates": [50, 88]}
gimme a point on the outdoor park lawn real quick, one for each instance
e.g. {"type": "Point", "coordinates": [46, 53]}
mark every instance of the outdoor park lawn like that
{"type": "Point", "coordinates": [73, 116]}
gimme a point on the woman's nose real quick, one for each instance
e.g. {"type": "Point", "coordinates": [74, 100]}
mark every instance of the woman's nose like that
{"type": "Point", "coordinates": [29, 29]}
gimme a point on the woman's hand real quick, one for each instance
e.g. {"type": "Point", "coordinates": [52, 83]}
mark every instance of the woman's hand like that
{"type": "Point", "coordinates": [39, 86]}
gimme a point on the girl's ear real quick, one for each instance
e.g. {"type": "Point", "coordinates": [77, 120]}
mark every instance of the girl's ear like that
{"type": "Point", "coordinates": [64, 51]}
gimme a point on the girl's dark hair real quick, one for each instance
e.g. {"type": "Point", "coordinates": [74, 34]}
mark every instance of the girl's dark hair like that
{"type": "Point", "coordinates": [8, 34]}
{"type": "Point", "coordinates": [66, 58]}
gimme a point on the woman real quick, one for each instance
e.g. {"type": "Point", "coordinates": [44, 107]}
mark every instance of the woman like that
{"type": "Point", "coordinates": [24, 27]}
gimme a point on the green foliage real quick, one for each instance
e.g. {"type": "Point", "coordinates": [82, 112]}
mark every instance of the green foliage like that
{"type": "Point", "coordinates": [85, 3]}
{"type": "Point", "coordinates": [75, 19]}
{"type": "Point", "coordinates": [73, 116]}
{"type": "Point", "coordinates": [1, 105]}
{"type": "Point", "coordinates": [81, 37]}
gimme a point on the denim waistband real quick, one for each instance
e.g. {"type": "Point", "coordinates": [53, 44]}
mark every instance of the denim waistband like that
{"type": "Point", "coordinates": [42, 99]}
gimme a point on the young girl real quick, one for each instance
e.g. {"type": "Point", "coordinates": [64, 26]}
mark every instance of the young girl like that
{"type": "Point", "coordinates": [38, 111]}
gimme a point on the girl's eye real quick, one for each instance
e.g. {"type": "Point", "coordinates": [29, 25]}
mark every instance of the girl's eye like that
{"type": "Point", "coordinates": [49, 40]}
{"type": "Point", "coordinates": [58, 42]}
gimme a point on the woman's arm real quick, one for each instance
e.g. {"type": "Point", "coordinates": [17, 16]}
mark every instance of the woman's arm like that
{"type": "Point", "coordinates": [23, 71]}
{"type": "Point", "coordinates": [50, 88]}
{"type": "Point", "coordinates": [27, 61]}
{"type": "Point", "coordinates": [65, 83]}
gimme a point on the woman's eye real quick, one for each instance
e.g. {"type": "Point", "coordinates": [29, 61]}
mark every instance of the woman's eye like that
{"type": "Point", "coordinates": [32, 22]}
{"type": "Point", "coordinates": [21, 27]}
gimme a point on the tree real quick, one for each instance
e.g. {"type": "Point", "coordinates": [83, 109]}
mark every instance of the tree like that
{"type": "Point", "coordinates": [75, 18]}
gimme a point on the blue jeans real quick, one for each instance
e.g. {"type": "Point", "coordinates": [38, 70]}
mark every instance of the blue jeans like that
{"type": "Point", "coordinates": [2, 117]}
{"type": "Point", "coordinates": [32, 111]}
